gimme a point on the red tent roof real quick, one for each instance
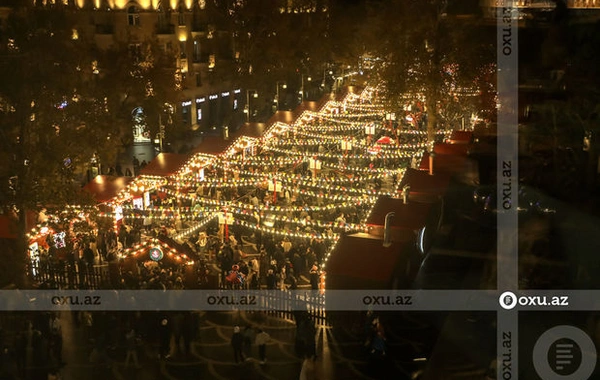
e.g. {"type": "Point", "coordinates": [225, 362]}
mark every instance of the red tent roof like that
{"type": "Point", "coordinates": [104, 187]}
{"type": "Point", "coordinates": [361, 261]}
{"type": "Point", "coordinates": [422, 183]}
{"type": "Point", "coordinates": [255, 130]}
{"type": "Point", "coordinates": [411, 215]}
{"type": "Point", "coordinates": [213, 145]}
{"type": "Point", "coordinates": [454, 149]}
{"type": "Point", "coordinates": [461, 137]}
{"type": "Point", "coordinates": [165, 164]}
{"type": "Point", "coordinates": [449, 159]}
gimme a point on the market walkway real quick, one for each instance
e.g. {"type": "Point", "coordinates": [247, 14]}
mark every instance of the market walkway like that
{"type": "Point", "coordinates": [211, 355]}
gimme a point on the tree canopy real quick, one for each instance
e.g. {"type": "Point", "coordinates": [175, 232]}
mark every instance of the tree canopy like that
{"type": "Point", "coordinates": [63, 102]}
{"type": "Point", "coordinates": [431, 55]}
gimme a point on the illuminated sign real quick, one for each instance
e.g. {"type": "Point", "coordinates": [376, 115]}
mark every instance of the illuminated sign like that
{"type": "Point", "coordinates": [118, 213]}
{"type": "Point", "coordinates": [201, 100]}
{"type": "Point", "coordinates": [156, 254]}
{"type": "Point", "coordinates": [224, 94]}
{"type": "Point", "coordinates": [138, 203]}
{"type": "Point", "coordinates": [186, 103]}
{"type": "Point", "coordinates": [213, 97]}
{"type": "Point", "coordinates": [237, 91]}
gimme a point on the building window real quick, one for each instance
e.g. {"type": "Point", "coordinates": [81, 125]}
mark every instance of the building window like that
{"type": "Point", "coordinates": [198, 80]}
{"type": "Point", "coordinates": [135, 51]}
{"type": "Point", "coordinates": [182, 53]}
{"type": "Point", "coordinates": [133, 16]}
{"type": "Point", "coordinates": [197, 52]}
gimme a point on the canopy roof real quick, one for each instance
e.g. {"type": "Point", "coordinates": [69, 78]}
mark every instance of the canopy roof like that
{"type": "Point", "coordinates": [423, 183]}
{"type": "Point", "coordinates": [361, 261]}
{"type": "Point", "coordinates": [105, 187]}
{"type": "Point", "coordinates": [165, 164]}
{"type": "Point", "coordinates": [411, 215]}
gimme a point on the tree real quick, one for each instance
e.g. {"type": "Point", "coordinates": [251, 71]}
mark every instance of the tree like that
{"type": "Point", "coordinates": [62, 102]}
{"type": "Point", "coordinates": [271, 42]}
{"type": "Point", "coordinates": [430, 54]}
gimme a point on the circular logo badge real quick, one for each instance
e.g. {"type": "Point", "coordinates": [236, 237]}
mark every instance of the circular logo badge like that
{"type": "Point", "coordinates": [508, 300]}
{"type": "Point", "coordinates": [156, 254]}
{"type": "Point", "coordinates": [564, 353]}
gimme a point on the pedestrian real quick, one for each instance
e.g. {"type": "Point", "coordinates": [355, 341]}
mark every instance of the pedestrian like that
{"type": "Point", "coordinates": [87, 321]}
{"type": "Point", "coordinates": [136, 166]}
{"type": "Point", "coordinates": [249, 338]}
{"type": "Point", "coordinates": [237, 341]}
{"type": "Point", "coordinates": [56, 339]}
{"type": "Point", "coordinates": [271, 279]}
{"type": "Point", "coordinates": [308, 371]}
{"type": "Point", "coordinates": [262, 338]}
{"type": "Point", "coordinates": [178, 331]}
{"type": "Point", "coordinates": [314, 277]}
{"type": "Point", "coordinates": [131, 343]}
{"type": "Point", "coordinates": [164, 336]}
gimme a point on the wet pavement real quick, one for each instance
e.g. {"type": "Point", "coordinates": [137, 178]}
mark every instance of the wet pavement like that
{"type": "Point", "coordinates": [341, 353]}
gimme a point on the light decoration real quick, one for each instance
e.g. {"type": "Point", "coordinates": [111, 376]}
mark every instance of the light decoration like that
{"type": "Point", "coordinates": [326, 155]}
{"type": "Point", "coordinates": [140, 185]}
{"type": "Point", "coordinates": [290, 234]}
{"type": "Point", "coordinates": [333, 192]}
{"type": "Point", "coordinates": [194, 164]}
{"type": "Point", "coordinates": [146, 246]}
{"type": "Point", "coordinates": [198, 226]}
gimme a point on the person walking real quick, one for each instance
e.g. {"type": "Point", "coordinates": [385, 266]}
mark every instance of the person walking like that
{"type": "Point", "coordinates": [131, 343]}
{"type": "Point", "coordinates": [249, 338]}
{"type": "Point", "coordinates": [262, 338]}
{"type": "Point", "coordinates": [56, 339]}
{"type": "Point", "coordinates": [314, 277]}
{"type": "Point", "coordinates": [164, 335]}
{"type": "Point", "coordinates": [237, 341]}
{"type": "Point", "coordinates": [87, 321]}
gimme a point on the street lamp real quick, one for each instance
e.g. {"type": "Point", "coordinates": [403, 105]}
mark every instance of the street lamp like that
{"type": "Point", "coordinates": [284, 86]}
{"type": "Point", "coordinates": [308, 78]}
{"type": "Point", "coordinates": [247, 108]}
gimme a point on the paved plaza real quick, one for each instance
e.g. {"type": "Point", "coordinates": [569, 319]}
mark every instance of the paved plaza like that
{"type": "Point", "coordinates": [341, 353]}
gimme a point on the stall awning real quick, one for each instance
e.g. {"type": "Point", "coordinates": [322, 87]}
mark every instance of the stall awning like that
{"type": "Point", "coordinates": [104, 187]}
{"type": "Point", "coordinates": [461, 137]}
{"type": "Point", "coordinates": [360, 261]}
{"type": "Point", "coordinates": [411, 215]}
{"type": "Point", "coordinates": [165, 164]}
{"type": "Point", "coordinates": [422, 183]}
{"type": "Point", "coordinates": [449, 158]}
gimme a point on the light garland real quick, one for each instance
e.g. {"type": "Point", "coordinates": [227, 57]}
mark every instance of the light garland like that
{"type": "Point", "coordinates": [289, 234]}
{"type": "Point", "coordinates": [171, 252]}
{"type": "Point", "coordinates": [347, 118]}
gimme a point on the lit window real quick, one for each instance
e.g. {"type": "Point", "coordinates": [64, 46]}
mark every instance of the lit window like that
{"type": "Point", "coordinates": [75, 34]}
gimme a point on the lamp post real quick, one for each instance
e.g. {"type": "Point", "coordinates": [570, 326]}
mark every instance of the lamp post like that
{"type": "Point", "coordinates": [284, 86]}
{"type": "Point", "coordinates": [247, 108]}
{"type": "Point", "coordinates": [308, 78]}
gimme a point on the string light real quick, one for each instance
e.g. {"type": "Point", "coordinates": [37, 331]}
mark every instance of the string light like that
{"type": "Point", "coordinates": [335, 121]}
